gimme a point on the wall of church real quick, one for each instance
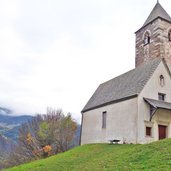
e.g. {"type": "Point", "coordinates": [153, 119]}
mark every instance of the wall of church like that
{"type": "Point", "coordinates": [159, 45]}
{"type": "Point", "coordinates": [151, 90]}
{"type": "Point", "coordinates": [121, 123]}
{"type": "Point", "coordinates": [161, 117]}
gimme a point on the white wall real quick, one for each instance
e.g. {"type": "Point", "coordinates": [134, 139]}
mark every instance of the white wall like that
{"type": "Point", "coordinates": [151, 90]}
{"type": "Point", "coordinates": [121, 123]}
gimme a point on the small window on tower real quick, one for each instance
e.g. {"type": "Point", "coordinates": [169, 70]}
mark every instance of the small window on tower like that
{"type": "Point", "coordinates": [146, 38]}
{"type": "Point", "coordinates": [169, 35]}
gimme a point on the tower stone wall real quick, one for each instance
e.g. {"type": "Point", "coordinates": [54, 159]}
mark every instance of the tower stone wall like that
{"type": "Point", "coordinates": [159, 46]}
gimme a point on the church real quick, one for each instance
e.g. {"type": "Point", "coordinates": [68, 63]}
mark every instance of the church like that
{"type": "Point", "coordinates": [135, 107]}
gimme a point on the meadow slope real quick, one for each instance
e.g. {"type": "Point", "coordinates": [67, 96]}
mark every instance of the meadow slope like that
{"type": "Point", "coordinates": [97, 157]}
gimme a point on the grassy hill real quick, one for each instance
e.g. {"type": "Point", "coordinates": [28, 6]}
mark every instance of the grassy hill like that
{"type": "Point", "coordinates": [97, 157]}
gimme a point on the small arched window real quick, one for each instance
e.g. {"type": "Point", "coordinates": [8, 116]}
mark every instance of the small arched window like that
{"type": "Point", "coordinates": [146, 38]}
{"type": "Point", "coordinates": [162, 81]}
{"type": "Point", "coordinates": [169, 35]}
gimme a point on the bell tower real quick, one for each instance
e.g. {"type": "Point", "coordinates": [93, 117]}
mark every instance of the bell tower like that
{"type": "Point", "coordinates": [153, 39]}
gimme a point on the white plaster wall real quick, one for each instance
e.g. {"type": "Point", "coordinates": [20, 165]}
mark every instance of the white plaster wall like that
{"type": "Point", "coordinates": [151, 90]}
{"type": "Point", "coordinates": [121, 123]}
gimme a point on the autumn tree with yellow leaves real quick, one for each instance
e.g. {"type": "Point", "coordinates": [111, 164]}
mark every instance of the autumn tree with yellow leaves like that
{"type": "Point", "coordinates": [43, 136]}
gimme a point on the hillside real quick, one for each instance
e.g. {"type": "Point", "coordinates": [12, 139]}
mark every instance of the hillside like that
{"type": "Point", "coordinates": [6, 146]}
{"type": "Point", "coordinates": [97, 157]}
{"type": "Point", "coordinates": [9, 123]}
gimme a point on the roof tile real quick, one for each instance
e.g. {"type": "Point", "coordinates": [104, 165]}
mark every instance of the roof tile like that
{"type": "Point", "coordinates": [123, 86]}
{"type": "Point", "coordinates": [158, 103]}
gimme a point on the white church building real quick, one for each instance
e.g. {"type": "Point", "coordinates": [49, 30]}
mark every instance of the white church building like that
{"type": "Point", "coordinates": [135, 107]}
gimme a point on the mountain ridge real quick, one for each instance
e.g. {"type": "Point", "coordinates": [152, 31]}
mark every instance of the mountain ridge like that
{"type": "Point", "coordinates": [10, 123]}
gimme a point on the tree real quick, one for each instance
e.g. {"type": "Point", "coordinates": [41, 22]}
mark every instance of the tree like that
{"type": "Point", "coordinates": [43, 136]}
{"type": "Point", "coordinates": [64, 133]}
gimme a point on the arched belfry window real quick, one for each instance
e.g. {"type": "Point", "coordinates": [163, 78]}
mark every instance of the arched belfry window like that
{"type": "Point", "coordinates": [169, 35]}
{"type": "Point", "coordinates": [146, 38]}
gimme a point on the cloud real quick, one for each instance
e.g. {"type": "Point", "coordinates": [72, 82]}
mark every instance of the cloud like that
{"type": "Point", "coordinates": [56, 53]}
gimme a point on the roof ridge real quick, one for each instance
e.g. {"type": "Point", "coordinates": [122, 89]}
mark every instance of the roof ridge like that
{"type": "Point", "coordinates": [139, 67]}
{"type": "Point", "coordinates": [123, 86]}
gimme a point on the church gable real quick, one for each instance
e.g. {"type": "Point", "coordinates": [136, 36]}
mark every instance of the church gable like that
{"type": "Point", "coordinates": [155, 95]}
{"type": "Point", "coordinates": [159, 83]}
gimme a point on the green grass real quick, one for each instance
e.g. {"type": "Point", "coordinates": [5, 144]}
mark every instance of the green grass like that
{"type": "Point", "coordinates": [97, 157]}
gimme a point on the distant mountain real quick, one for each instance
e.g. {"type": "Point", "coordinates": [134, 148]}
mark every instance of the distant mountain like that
{"type": "Point", "coordinates": [12, 133]}
{"type": "Point", "coordinates": [9, 123]}
{"type": "Point", "coordinates": [6, 146]}
{"type": "Point", "coordinates": [12, 119]}
{"type": "Point", "coordinates": [9, 126]}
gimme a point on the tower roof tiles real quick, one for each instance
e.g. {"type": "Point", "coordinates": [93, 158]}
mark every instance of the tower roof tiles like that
{"type": "Point", "coordinates": [157, 12]}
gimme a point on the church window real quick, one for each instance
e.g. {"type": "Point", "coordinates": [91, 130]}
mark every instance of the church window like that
{"type": "Point", "coordinates": [146, 38]}
{"type": "Point", "coordinates": [169, 35]}
{"type": "Point", "coordinates": [161, 96]}
{"type": "Point", "coordinates": [148, 131]}
{"type": "Point", "coordinates": [162, 81]}
{"type": "Point", "coordinates": [104, 114]}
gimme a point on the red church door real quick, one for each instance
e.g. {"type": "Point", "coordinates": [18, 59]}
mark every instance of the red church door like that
{"type": "Point", "coordinates": [162, 132]}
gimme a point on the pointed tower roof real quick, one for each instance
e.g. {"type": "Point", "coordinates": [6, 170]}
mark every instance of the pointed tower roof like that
{"type": "Point", "coordinates": [157, 12]}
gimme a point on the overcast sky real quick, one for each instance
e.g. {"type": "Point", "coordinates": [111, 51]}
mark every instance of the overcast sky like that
{"type": "Point", "coordinates": [56, 52]}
